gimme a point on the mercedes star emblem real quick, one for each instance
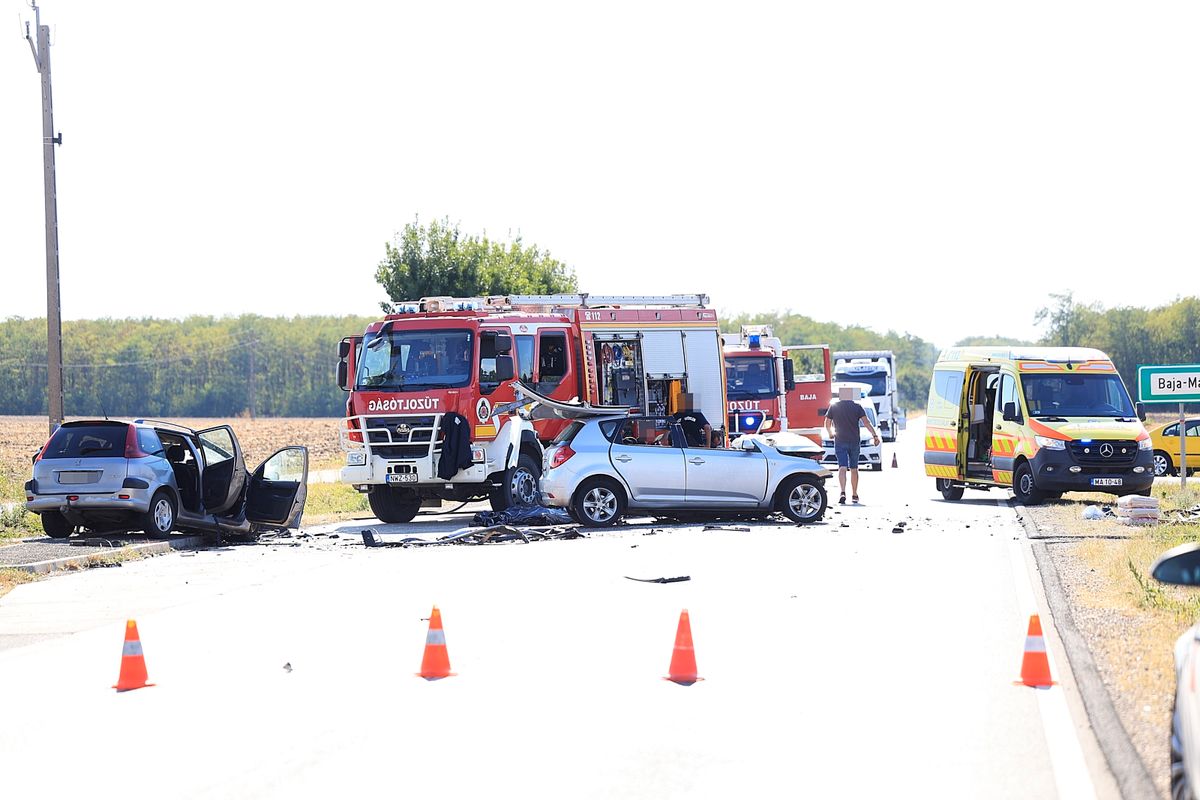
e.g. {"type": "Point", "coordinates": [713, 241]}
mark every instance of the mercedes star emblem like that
{"type": "Point", "coordinates": [1106, 450]}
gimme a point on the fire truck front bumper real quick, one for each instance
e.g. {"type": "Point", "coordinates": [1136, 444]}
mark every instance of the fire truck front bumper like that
{"type": "Point", "coordinates": [376, 470]}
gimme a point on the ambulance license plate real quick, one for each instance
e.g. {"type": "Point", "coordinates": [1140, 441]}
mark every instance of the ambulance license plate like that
{"type": "Point", "coordinates": [1107, 481]}
{"type": "Point", "coordinates": [402, 477]}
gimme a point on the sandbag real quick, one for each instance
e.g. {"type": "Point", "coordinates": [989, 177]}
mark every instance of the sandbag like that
{"type": "Point", "coordinates": [1139, 521]}
{"type": "Point", "coordinates": [1137, 501]}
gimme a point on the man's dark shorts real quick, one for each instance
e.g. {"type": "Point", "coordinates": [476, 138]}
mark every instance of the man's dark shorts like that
{"type": "Point", "coordinates": [847, 454]}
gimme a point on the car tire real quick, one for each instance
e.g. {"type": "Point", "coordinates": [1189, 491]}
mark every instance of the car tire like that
{"type": "Point", "coordinates": [159, 519]}
{"type": "Point", "coordinates": [948, 489]}
{"type": "Point", "coordinates": [802, 498]}
{"type": "Point", "coordinates": [393, 504]}
{"type": "Point", "coordinates": [598, 503]}
{"type": "Point", "coordinates": [1162, 464]}
{"type": "Point", "coordinates": [1052, 495]}
{"type": "Point", "coordinates": [877, 467]}
{"type": "Point", "coordinates": [520, 485]}
{"type": "Point", "coordinates": [1024, 488]}
{"type": "Point", "coordinates": [1180, 790]}
{"type": "Point", "coordinates": [56, 525]}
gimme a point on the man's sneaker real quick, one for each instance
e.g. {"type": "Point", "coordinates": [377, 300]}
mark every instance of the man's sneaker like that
{"type": "Point", "coordinates": [842, 499]}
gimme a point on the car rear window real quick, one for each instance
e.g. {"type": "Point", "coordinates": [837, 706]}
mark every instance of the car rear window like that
{"type": "Point", "coordinates": [568, 433]}
{"type": "Point", "coordinates": [83, 441]}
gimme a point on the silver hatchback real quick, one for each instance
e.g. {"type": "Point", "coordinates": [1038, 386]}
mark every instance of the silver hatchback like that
{"type": "Point", "coordinates": [602, 467]}
{"type": "Point", "coordinates": [112, 475]}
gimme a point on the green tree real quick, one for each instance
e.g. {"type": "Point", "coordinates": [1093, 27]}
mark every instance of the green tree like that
{"type": "Point", "coordinates": [442, 260]}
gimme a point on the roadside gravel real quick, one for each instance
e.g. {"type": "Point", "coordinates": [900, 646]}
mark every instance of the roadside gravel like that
{"type": "Point", "coordinates": [1131, 644]}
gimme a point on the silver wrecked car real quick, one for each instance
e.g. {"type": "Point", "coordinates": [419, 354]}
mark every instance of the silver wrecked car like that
{"type": "Point", "coordinates": [114, 475]}
{"type": "Point", "coordinates": [601, 467]}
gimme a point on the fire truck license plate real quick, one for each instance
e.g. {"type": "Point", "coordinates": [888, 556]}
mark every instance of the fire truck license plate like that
{"type": "Point", "coordinates": [402, 477]}
{"type": "Point", "coordinates": [1107, 481]}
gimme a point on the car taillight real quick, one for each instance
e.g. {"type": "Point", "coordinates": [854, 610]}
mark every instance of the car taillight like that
{"type": "Point", "coordinates": [38, 457]}
{"type": "Point", "coordinates": [132, 448]}
{"type": "Point", "coordinates": [561, 455]}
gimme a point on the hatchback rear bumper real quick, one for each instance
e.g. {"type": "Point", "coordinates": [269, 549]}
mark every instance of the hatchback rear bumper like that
{"type": "Point", "coordinates": [138, 502]}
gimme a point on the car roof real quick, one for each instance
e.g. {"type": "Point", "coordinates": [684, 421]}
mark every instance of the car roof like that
{"type": "Point", "coordinates": [141, 423]}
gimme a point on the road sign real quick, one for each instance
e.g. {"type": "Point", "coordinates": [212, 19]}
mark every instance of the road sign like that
{"type": "Point", "coordinates": [1177, 383]}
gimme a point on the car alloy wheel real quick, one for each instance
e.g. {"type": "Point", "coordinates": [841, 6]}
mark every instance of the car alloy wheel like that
{"type": "Point", "coordinates": [805, 500]}
{"type": "Point", "coordinates": [600, 504]}
{"type": "Point", "coordinates": [1162, 464]}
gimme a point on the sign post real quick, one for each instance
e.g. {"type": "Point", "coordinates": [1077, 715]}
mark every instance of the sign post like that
{"type": "Point", "coordinates": [1175, 383]}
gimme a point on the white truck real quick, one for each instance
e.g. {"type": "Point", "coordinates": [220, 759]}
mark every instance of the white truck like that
{"type": "Point", "coordinates": [877, 369]}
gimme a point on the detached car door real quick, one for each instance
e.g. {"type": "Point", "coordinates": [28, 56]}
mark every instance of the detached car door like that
{"type": "Point", "coordinates": [224, 473]}
{"type": "Point", "coordinates": [277, 491]}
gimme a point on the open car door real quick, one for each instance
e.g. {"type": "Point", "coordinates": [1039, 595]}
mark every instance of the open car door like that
{"type": "Point", "coordinates": [224, 474]}
{"type": "Point", "coordinates": [278, 488]}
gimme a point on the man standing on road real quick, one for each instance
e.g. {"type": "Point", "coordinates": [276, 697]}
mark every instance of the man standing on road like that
{"type": "Point", "coordinates": [696, 428]}
{"type": "Point", "coordinates": [844, 417]}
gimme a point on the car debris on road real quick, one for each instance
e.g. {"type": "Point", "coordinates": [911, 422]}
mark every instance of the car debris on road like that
{"type": "Point", "coordinates": [494, 534]}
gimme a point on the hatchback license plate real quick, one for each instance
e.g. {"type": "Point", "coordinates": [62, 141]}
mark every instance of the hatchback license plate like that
{"type": "Point", "coordinates": [402, 477]}
{"type": "Point", "coordinates": [1108, 481]}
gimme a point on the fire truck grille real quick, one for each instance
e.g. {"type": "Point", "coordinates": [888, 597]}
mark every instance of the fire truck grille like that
{"type": "Point", "coordinates": [1104, 452]}
{"type": "Point", "coordinates": [400, 437]}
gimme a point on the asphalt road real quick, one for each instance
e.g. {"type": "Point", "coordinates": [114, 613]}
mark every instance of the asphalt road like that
{"type": "Point", "coordinates": [840, 660]}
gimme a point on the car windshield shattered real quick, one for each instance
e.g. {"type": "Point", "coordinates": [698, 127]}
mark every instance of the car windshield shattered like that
{"type": "Point", "coordinates": [1076, 396]}
{"type": "Point", "coordinates": [410, 360]}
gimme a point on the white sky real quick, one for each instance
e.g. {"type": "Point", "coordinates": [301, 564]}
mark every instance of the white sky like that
{"type": "Point", "coordinates": [936, 168]}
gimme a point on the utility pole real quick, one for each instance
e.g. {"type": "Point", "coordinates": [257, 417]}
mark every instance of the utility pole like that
{"type": "Point", "coordinates": [54, 388]}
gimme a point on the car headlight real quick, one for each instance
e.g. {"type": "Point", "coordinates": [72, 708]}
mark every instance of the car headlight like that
{"type": "Point", "coordinates": [1050, 444]}
{"type": "Point", "coordinates": [1145, 444]}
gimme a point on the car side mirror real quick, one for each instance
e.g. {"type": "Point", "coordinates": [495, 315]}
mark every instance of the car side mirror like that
{"type": "Point", "coordinates": [1141, 411]}
{"type": "Point", "coordinates": [1179, 565]}
{"type": "Point", "coordinates": [504, 368]}
{"type": "Point", "coordinates": [747, 444]}
{"type": "Point", "coordinates": [343, 376]}
{"type": "Point", "coordinates": [789, 374]}
{"type": "Point", "coordinates": [1010, 413]}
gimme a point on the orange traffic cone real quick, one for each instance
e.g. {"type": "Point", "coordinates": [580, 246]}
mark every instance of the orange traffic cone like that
{"type": "Point", "coordinates": [1035, 666]}
{"type": "Point", "coordinates": [683, 658]}
{"type": "Point", "coordinates": [133, 665]}
{"type": "Point", "coordinates": [894, 462]}
{"type": "Point", "coordinates": [436, 663]}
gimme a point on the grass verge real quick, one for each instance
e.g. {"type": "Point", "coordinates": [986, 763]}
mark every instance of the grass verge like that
{"type": "Point", "coordinates": [331, 502]}
{"type": "Point", "coordinates": [11, 578]}
{"type": "Point", "coordinates": [16, 523]}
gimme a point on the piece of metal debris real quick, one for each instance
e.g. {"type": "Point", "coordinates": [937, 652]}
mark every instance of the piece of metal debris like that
{"type": "Point", "coordinates": [731, 528]}
{"type": "Point", "coordinates": [677, 579]}
{"type": "Point", "coordinates": [491, 535]}
{"type": "Point", "coordinates": [287, 667]}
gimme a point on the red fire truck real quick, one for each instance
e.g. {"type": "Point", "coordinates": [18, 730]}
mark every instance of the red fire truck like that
{"type": "Point", "coordinates": [423, 385]}
{"type": "Point", "coordinates": [774, 387]}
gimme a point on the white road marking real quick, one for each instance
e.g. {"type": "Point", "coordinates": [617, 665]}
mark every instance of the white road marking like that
{"type": "Point", "coordinates": [1071, 774]}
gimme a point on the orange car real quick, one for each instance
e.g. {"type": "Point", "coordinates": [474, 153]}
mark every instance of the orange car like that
{"type": "Point", "coordinates": [1165, 440]}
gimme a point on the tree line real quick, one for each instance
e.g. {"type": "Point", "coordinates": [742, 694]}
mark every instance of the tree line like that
{"type": "Point", "coordinates": [196, 367]}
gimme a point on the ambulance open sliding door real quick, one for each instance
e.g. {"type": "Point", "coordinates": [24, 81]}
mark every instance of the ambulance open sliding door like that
{"type": "Point", "coordinates": [705, 373]}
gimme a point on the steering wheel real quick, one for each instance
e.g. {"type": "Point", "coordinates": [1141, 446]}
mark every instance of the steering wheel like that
{"type": "Point", "coordinates": [631, 440]}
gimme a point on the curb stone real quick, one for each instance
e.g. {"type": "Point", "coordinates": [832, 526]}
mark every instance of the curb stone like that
{"type": "Point", "coordinates": [147, 549]}
{"type": "Point", "coordinates": [1133, 779]}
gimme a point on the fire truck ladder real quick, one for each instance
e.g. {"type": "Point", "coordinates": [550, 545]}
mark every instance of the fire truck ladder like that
{"type": "Point", "coordinates": [584, 300]}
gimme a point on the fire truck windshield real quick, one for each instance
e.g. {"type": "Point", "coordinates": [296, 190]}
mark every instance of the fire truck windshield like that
{"type": "Point", "coordinates": [413, 360]}
{"type": "Point", "coordinates": [749, 377]}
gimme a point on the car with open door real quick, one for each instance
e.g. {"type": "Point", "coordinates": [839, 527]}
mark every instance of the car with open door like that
{"type": "Point", "coordinates": [1180, 566]}
{"type": "Point", "coordinates": [607, 463]}
{"type": "Point", "coordinates": [118, 475]}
